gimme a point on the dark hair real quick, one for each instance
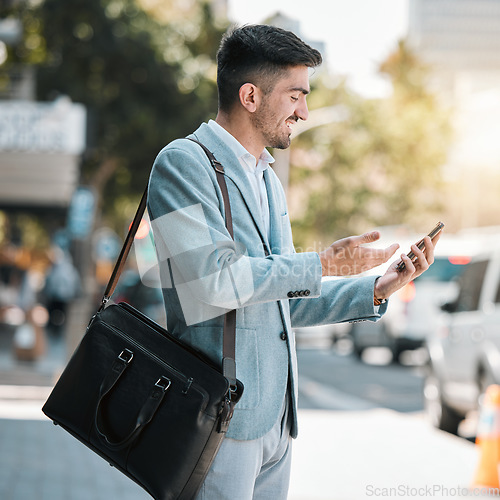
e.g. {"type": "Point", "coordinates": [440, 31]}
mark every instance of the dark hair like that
{"type": "Point", "coordinates": [258, 54]}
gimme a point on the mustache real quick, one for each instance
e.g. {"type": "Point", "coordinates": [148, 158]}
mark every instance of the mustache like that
{"type": "Point", "coordinates": [292, 118]}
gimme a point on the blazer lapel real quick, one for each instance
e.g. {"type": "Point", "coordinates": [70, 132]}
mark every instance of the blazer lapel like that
{"type": "Point", "coordinates": [235, 172]}
{"type": "Point", "coordinates": [274, 213]}
{"type": "Point", "coordinates": [239, 178]}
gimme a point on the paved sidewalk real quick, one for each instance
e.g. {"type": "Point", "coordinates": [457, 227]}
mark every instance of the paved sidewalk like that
{"type": "Point", "coordinates": [378, 454]}
{"type": "Point", "coordinates": [339, 455]}
{"type": "Point", "coordinates": [39, 461]}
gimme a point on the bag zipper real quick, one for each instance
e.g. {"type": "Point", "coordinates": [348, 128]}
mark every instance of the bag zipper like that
{"type": "Point", "coordinates": [188, 382]}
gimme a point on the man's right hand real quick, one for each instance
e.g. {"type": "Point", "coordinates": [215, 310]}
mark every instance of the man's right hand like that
{"type": "Point", "coordinates": [346, 257]}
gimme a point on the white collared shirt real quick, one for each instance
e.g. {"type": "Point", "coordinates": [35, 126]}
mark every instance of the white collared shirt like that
{"type": "Point", "coordinates": [254, 170]}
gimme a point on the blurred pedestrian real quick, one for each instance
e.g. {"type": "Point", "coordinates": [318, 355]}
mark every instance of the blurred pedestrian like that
{"type": "Point", "coordinates": [20, 311]}
{"type": "Point", "coordinates": [263, 82]}
{"type": "Point", "coordinates": [62, 286]}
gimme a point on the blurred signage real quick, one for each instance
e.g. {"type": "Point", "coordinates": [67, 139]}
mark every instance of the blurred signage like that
{"type": "Point", "coordinates": [106, 244]}
{"type": "Point", "coordinates": [81, 213]}
{"type": "Point", "coordinates": [56, 127]}
{"type": "Point", "coordinates": [40, 148]}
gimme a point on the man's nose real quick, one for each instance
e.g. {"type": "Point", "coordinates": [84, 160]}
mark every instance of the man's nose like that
{"type": "Point", "coordinates": [302, 111]}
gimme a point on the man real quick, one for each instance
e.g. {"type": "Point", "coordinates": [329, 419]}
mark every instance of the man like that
{"type": "Point", "coordinates": [263, 82]}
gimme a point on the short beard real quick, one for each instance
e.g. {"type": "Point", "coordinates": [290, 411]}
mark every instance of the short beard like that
{"type": "Point", "coordinates": [261, 122]}
{"type": "Point", "coordinates": [280, 143]}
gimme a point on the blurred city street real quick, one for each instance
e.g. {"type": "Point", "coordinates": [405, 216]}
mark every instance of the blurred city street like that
{"type": "Point", "coordinates": [350, 446]}
{"type": "Point", "coordinates": [402, 129]}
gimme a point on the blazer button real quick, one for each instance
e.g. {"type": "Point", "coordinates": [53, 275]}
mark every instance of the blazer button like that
{"type": "Point", "coordinates": [283, 336]}
{"type": "Point", "coordinates": [290, 294]}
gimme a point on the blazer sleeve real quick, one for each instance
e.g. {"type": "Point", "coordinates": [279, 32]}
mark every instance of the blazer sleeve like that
{"type": "Point", "coordinates": [195, 251]}
{"type": "Point", "coordinates": [341, 300]}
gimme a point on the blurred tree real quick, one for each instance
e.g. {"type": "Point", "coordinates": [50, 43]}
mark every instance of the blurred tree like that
{"type": "Point", "coordinates": [145, 80]}
{"type": "Point", "coordinates": [379, 166]}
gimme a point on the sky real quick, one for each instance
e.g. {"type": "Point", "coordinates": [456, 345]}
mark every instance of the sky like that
{"type": "Point", "coordinates": [358, 34]}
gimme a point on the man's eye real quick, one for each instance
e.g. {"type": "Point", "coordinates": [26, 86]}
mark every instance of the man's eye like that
{"type": "Point", "coordinates": [293, 98]}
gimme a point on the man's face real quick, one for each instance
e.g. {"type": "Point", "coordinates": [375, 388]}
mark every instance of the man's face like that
{"type": "Point", "coordinates": [283, 107]}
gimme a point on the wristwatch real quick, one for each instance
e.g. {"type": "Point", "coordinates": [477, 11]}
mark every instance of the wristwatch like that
{"type": "Point", "coordinates": [377, 301]}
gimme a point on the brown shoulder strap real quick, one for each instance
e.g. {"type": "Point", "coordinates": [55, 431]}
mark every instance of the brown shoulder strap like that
{"type": "Point", "coordinates": [117, 270]}
{"type": "Point", "coordinates": [219, 171]}
{"type": "Point", "coordinates": [229, 335]}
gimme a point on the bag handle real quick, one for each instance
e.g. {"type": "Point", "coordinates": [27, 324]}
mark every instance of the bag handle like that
{"type": "Point", "coordinates": [147, 411]}
{"type": "Point", "coordinates": [229, 333]}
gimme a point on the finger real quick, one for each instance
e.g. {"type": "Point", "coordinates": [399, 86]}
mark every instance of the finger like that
{"type": "Point", "coordinates": [436, 238]}
{"type": "Point", "coordinates": [409, 268]}
{"type": "Point", "coordinates": [421, 259]}
{"type": "Point", "coordinates": [429, 250]}
{"type": "Point", "coordinates": [390, 251]}
{"type": "Point", "coordinates": [367, 237]}
{"type": "Point", "coordinates": [381, 255]}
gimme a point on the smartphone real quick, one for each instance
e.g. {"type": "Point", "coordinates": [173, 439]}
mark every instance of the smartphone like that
{"type": "Point", "coordinates": [421, 245]}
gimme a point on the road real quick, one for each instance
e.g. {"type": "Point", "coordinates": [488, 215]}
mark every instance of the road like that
{"type": "Point", "coordinates": [333, 381]}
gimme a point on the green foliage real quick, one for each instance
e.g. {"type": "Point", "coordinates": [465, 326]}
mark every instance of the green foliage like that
{"type": "Point", "coordinates": [379, 166]}
{"type": "Point", "coordinates": [147, 77]}
{"type": "Point", "coordinates": [144, 81]}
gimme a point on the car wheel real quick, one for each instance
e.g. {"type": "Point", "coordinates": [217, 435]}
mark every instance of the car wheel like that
{"type": "Point", "coordinates": [357, 349]}
{"type": "Point", "coordinates": [438, 412]}
{"type": "Point", "coordinates": [396, 350]}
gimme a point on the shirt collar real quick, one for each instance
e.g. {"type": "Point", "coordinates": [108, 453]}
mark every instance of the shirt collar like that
{"type": "Point", "coordinates": [245, 158]}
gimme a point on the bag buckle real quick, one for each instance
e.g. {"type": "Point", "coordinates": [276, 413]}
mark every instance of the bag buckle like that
{"type": "Point", "coordinates": [218, 166]}
{"type": "Point", "coordinates": [126, 356]}
{"type": "Point", "coordinates": [160, 387]}
{"type": "Point", "coordinates": [104, 301]}
{"type": "Point", "coordinates": [163, 383]}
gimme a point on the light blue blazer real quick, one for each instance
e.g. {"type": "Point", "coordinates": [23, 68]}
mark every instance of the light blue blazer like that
{"type": "Point", "coordinates": [205, 273]}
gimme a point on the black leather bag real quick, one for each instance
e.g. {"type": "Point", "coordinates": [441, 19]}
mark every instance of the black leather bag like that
{"type": "Point", "coordinates": [154, 408]}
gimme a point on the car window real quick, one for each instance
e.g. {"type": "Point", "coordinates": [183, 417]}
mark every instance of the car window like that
{"type": "Point", "coordinates": [470, 286]}
{"type": "Point", "coordinates": [444, 269]}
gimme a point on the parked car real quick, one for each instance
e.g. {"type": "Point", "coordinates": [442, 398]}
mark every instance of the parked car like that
{"type": "Point", "coordinates": [413, 310]}
{"type": "Point", "coordinates": [464, 350]}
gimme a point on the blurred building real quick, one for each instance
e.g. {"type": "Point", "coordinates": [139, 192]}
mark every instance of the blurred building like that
{"type": "Point", "coordinates": [460, 41]}
{"type": "Point", "coordinates": [40, 142]}
{"type": "Point", "coordinates": [457, 35]}
{"type": "Point", "coordinates": [40, 148]}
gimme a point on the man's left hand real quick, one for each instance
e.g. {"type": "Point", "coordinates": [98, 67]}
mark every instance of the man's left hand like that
{"type": "Point", "coordinates": [393, 279]}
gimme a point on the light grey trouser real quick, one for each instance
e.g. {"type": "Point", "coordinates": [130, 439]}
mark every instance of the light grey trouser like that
{"type": "Point", "coordinates": [252, 470]}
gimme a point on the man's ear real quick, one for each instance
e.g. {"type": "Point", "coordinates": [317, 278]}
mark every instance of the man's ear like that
{"type": "Point", "coordinates": [250, 97]}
